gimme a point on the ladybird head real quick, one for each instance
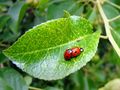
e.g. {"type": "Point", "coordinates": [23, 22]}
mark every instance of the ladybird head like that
{"type": "Point", "coordinates": [81, 49]}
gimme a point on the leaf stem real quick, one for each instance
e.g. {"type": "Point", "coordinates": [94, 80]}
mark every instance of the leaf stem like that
{"type": "Point", "coordinates": [103, 37]}
{"type": "Point", "coordinates": [117, 6]}
{"type": "Point", "coordinates": [107, 28]}
{"type": "Point", "coordinates": [34, 88]}
{"type": "Point", "coordinates": [115, 18]}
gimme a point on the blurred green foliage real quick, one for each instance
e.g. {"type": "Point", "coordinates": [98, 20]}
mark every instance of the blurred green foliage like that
{"type": "Point", "coordinates": [17, 16]}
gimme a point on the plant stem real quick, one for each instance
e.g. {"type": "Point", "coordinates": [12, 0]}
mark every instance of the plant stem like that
{"type": "Point", "coordinates": [115, 18]}
{"type": "Point", "coordinates": [107, 28]}
{"type": "Point", "coordinates": [103, 37]}
{"type": "Point", "coordinates": [117, 6]}
{"type": "Point", "coordinates": [3, 45]}
{"type": "Point", "coordinates": [34, 88]}
{"type": "Point", "coordinates": [1, 65]}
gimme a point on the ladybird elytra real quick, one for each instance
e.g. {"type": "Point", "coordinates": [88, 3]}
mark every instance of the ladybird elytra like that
{"type": "Point", "coordinates": [73, 52]}
{"type": "Point", "coordinates": [68, 54]}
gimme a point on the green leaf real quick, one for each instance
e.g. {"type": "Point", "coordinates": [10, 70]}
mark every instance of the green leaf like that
{"type": "Point", "coordinates": [108, 8]}
{"type": "Point", "coordinates": [116, 36]}
{"type": "Point", "coordinates": [114, 13]}
{"type": "Point", "coordinates": [43, 4]}
{"type": "Point", "coordinates": [113, 55]}
{"type": "Point", "coordinates": [93, 15]}
{"type": "Point", "coordinates": [2, 57]}
{"type": "Point", "coordinates": [52, 88]}
{"type": "Point", "coordinates": [16, 12]}
{"type": "Point", "coordinates": [3, 21]}
{"type": "Point", "coordinates": [57, 10]}
{"type": "Point", "coordinates": [79, 11]}
{"type": "Point", "coordinates": [4, 85]}
{"type": "Point", "coordinates": [66, 14]}
{"type": "Point", "coordinates": [112, 85]}
{"type": "Point", "coordinates": [115, 1]}
{"type": "Point", "coordinates": [40, 51]}
{"type": "Point", "coordinates": [8, 36]}
{"type": "Point", "coordinates": [13, 79]}
{"type": "Point", "coordinates": [78, 80]}
{"type": "Point", "coordinates": [6, 2]}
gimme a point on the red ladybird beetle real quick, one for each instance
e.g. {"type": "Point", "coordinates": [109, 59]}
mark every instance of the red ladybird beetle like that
{"type": "Point", "coordinates": [76, 51]}
{"type": "Point", "coordinates": [71, 53]}
{"type": "Point", "coordinates": [68, 54]}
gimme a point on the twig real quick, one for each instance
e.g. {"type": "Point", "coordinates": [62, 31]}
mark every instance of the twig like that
{"type": "Point", "coordinates": [117, 6]}
{"type": "Point", "coordinates": [34, 88]}
{"type": "Point", "coordinates": [115, 18]}
{"type": "Point", "coordinates": [104, 37]}
{"type": "Point", "coordinates": [107, 28]}
{"type": "Point", "coordinates": [3, 45]}
{"type": "Point", "coordinates": [1, 65]}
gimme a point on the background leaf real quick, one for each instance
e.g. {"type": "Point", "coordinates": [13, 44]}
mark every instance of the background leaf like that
{"type": "Point", "coordinates": [2, 57]}
{"type": "Point", "coordinates": [16, 12]}
{"type": "Point", "coordinates": [3, 21]}
{"type": "Point", "coordinates": [116, 35]}
{"type": "Point", "coordinates": [112, 85]}
{"type": "Point", "coordinates": [68, 5]}
{"type": "Point", "coordinates": [4, 85]}
{"type": "Point", "coordinates": [40, 52]}
{"type": "Point", "coordinates": [107, 8]}
{"type": "Point", "coordinates": [6, 2]}
{"type": "Point", "coordinates": [13, 79]}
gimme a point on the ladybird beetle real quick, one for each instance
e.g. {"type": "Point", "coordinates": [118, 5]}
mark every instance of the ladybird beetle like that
{"type": "Point", "coordinates": [76, 51]}
{"type": "Point", "coordinates": [68, 54]}
{"type": "Point", "coordinates": [73, 52]}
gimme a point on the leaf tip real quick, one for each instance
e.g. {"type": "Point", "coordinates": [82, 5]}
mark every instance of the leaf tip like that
{"type": "Point", "coordinates": [66, 14]}
{"type": "Point", "coordinates": [5, 52]}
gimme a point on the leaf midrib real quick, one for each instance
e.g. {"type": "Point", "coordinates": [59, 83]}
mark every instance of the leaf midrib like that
{"type": "Point", "coordinates": [80, 38]}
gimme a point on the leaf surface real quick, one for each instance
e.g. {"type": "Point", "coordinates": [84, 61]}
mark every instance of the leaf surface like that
{"type": "Point", "coordinates": [12, 79]}
{"type": "Point", "coordinates": [4, 85]}
{"type": "Point", "coordinates": [16, 12]}
{"type": "Point", "coordinates": [40, 51]}
{"type": "Point", "coordinates": [3, 21]}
